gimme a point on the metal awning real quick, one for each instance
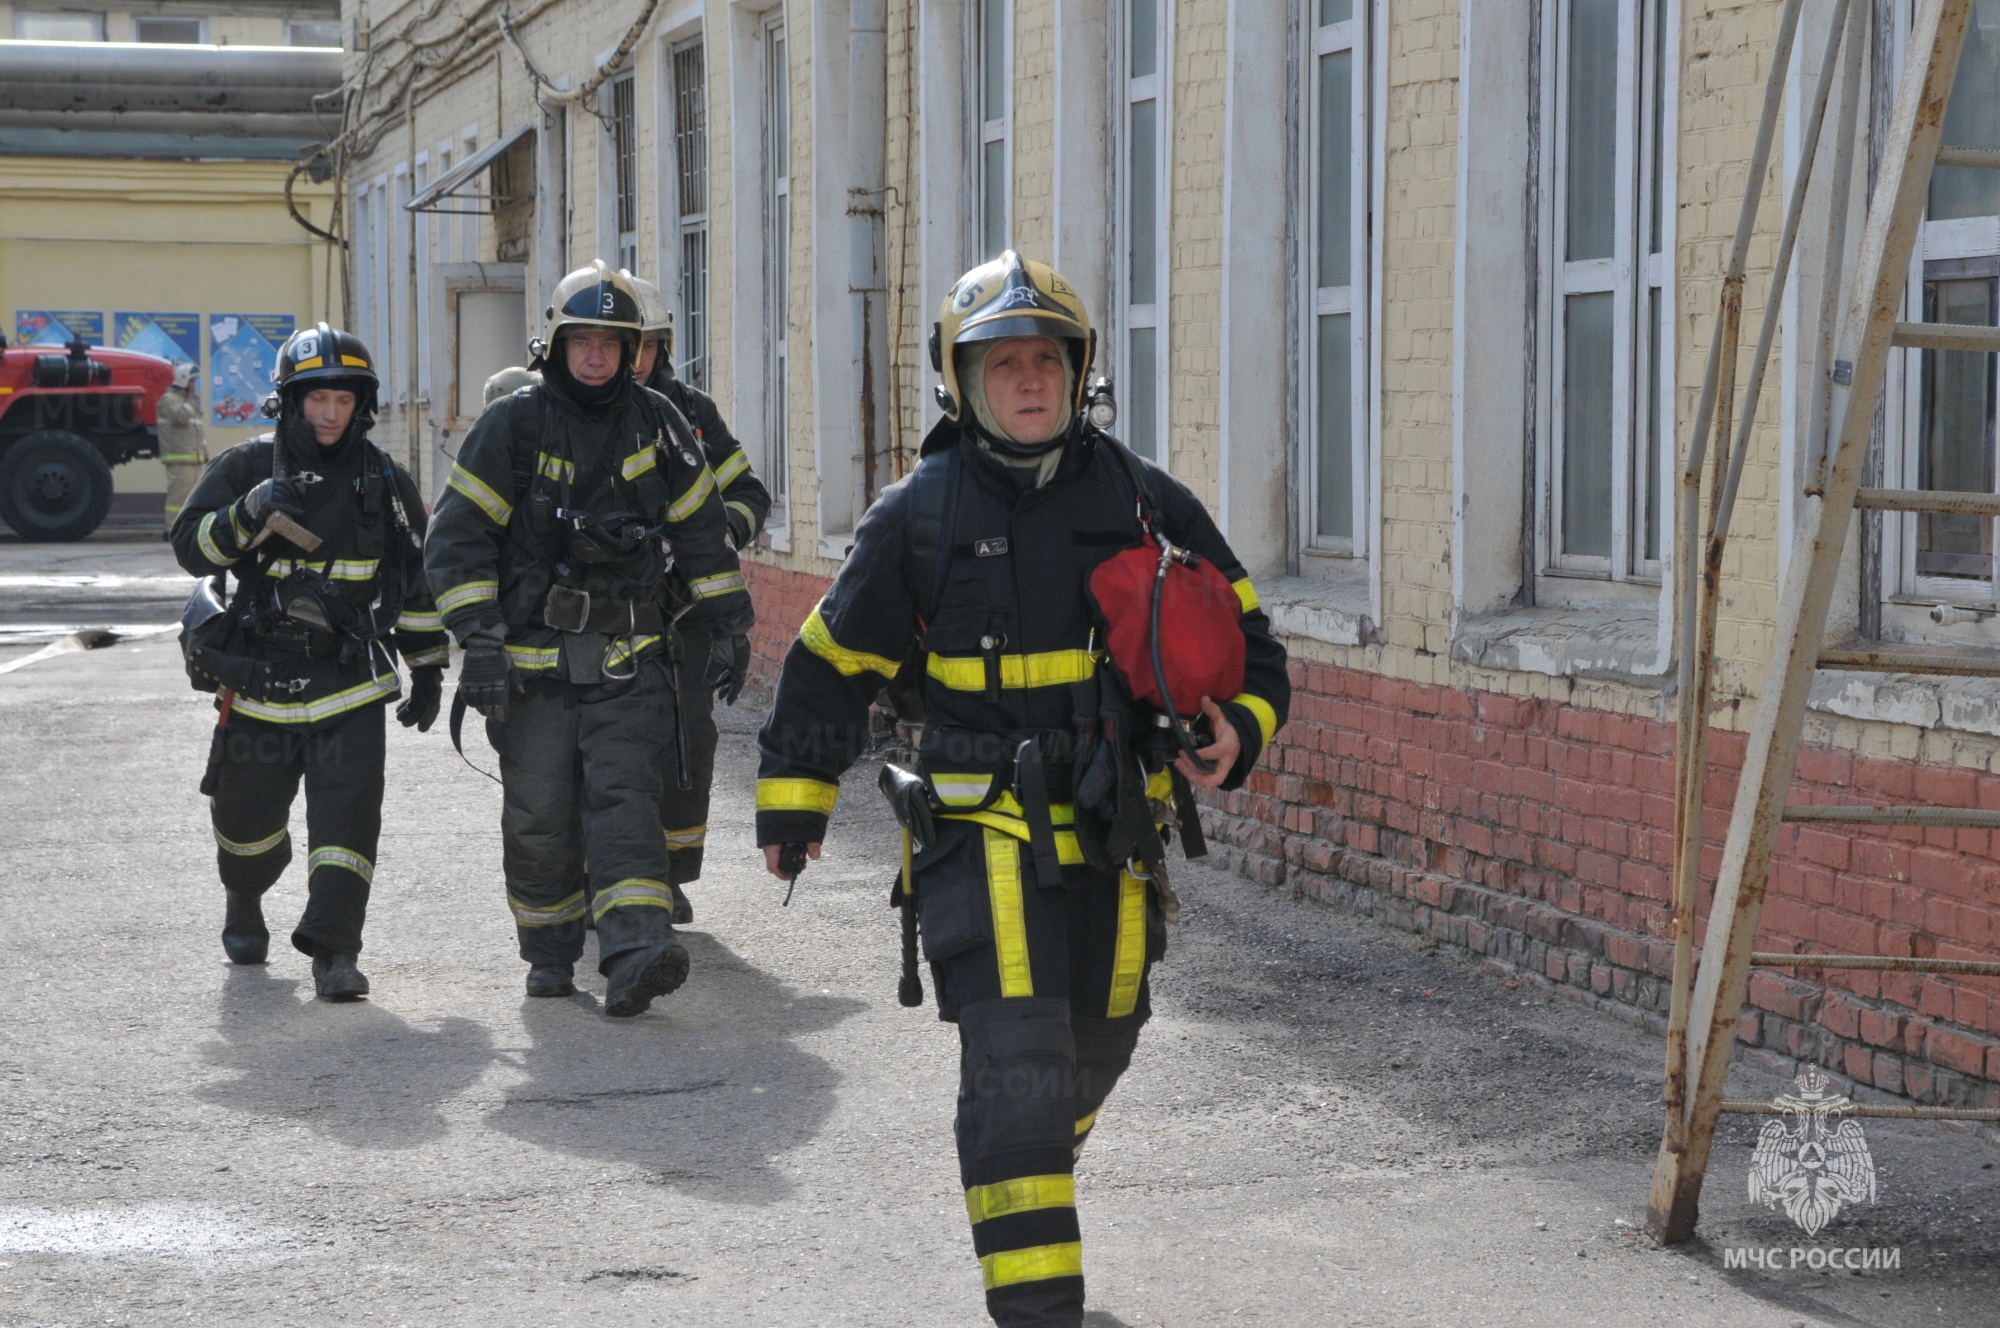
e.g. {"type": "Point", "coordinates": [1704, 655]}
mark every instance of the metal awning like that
{"type": "Point", "coordinates": [460, 175]}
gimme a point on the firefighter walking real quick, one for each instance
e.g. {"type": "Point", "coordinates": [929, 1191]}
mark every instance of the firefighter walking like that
{"type": "Point", "coordinates": [549, 557]}
{"type": "Point", "coordinates": [322, 532]}
{"type": "Point", "coordinates": [1034, 850]}
{"type": "Point", "coordinates": [183, 442]}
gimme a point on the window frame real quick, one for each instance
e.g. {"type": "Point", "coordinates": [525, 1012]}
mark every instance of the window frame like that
{"type": "Point", "coordinates": [621, 140]}
{"type": "Point", "coordinates": [23, 17]}
{"type": "Point", "coordinates": [200, 29]}
{"type": "Point", "coordinates": [1128, 91]}
{"type": "Point", "coordinates": [1638, 277]}
{"type": "Point", "coordinates": [692, 291]}
{"type": "Point", "coordinates": [989, 133]}
{"type": "Point", "coordinates": [775, 189]}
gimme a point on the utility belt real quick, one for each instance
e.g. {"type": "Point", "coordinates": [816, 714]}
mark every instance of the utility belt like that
{"type": "Point", "coordinates": [569, 609]}
{"type": "Point", "coordinates": [299, 638]}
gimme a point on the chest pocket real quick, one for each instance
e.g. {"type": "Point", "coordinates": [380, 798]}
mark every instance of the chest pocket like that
{"type": "Point", "coordinates": [967, 647]}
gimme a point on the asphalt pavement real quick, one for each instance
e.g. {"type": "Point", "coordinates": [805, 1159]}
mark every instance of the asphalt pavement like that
{"type": "Point", "coordinates": [1328, 1123]}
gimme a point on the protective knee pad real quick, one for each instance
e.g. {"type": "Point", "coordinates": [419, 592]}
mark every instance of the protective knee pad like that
{"type": "Point", "coordinates": [1016, 1089]}
{"type": "Point", "coordinates": [253, 873]}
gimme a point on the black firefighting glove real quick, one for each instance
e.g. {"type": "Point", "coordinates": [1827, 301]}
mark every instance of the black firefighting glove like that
{"type": "Point", "coordinates": [420, 708]}
{"type": "Point", "coordinates": [482, 680]}
{"type": "Point", "coordinates": [728, 667]}
{"type": "Point", "coordinates": [273, 495]}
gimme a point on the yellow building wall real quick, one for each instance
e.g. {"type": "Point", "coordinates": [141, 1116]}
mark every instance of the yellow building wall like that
{"type": "Point", "coordinates": [161, 236]}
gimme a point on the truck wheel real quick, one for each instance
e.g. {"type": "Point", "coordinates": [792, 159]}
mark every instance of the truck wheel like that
{"type": "Point", "coordinates": [54, 487]}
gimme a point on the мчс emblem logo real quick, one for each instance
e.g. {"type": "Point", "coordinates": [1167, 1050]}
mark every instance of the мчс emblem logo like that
{"type": "Point", "coordinates": [1809, 1161]}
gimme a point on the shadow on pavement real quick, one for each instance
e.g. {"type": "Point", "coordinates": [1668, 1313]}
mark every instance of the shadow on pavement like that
{"type": "Point", "coordinates": [353, 1072]}
{"type": "Point", "coordinates": [704, 1091]}
{"type": "Point", "coordinates": [1103, 1319]}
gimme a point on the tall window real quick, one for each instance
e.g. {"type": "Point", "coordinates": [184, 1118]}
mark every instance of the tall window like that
{"type": "Point", "coordinates": [625, 166]}
{"type": "Point", "coordinates": [691, 203]}
{"type": "Point", "coordinates": [995, 102]}
{"type": "Point", "coordinates": [777, 249]}
{"type": "Point", "coordinates": [1608, 422]}
{"type": "Point", "coordinates": [1144, 217]}
{"type": "Point", "coordinates": [1334, 264]}
{"type": "Point", "coordinates": [1949, 422]}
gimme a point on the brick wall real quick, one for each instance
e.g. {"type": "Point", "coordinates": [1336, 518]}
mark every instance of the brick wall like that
{"type": "Point", "coordinates": [783, 598]}
{"type": "Point", "coordinates": [1540, 835]}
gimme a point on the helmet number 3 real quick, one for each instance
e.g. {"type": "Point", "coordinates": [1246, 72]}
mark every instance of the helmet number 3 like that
{"type": "Point", "coordinates": [610, 302]}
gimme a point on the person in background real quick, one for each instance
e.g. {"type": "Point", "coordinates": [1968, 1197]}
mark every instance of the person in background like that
{"type": "Point", "coordinates": [183, 443]}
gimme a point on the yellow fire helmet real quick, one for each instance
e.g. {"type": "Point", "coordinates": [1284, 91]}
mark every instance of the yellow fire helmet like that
{"type": "Point", "coordinates": [593, 296]}
{"type": "Point", "coordinates": [1010, 296]}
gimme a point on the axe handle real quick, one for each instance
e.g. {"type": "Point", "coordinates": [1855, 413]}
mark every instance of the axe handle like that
{"type": "Point", "coordinates": [281, 524]}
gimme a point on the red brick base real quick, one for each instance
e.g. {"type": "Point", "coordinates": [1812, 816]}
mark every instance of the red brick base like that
{"type": "Point", "coordinates": [783, 599]}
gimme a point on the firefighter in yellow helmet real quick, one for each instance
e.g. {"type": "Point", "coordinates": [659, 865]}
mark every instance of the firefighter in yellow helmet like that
{"type": "Point", "coordinates": [1032, 857]}
{"type": "Point", "coordinates": [549, 556]}
{"type": "Point", "coordinates": [183, 442]}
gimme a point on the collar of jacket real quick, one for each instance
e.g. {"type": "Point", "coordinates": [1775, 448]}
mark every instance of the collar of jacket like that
{"type": "Point", "coordinates": [561, 390]}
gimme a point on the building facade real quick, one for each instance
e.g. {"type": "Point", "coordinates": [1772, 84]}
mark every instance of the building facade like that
{"type": "Point", "coordinates": [1416, 294]}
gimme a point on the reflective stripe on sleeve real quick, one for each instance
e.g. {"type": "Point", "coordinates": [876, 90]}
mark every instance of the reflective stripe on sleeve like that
{"type": "Point", "coordinates": [437, 656]}
{"type": "Point", "coordinates": [413, 620]}
{"type": "Point", "coordinates": [483, 497]}
{"type": "Point", "coordinates": [1050, 668]}
{"type": "Point", "coordinates": [640, 462]}
{"type": "Point", "coordinates": [732, 465]}
{"type": "Point", "coordinates": [529, 915]}
{"type": "Point", "coordinates": [469, 592]}
{"type": "Point", "coordinates": [815, 636]}
{"type": "Point", "coordinates": [1128, 961]}
{"type": "Point", "coordinates": [250, 850]}
{"type": "Point", "coordinates": [1037, 1263]}
{"type": "Point", "coordinates": [354, 569]}
{"type": "Point", "coordinates": [635, 893]}
{"type": "Point", "coordinates": [743, 510]}
{"type": "Point", "coordinates": [1024, 1194]}
{"type": "Point", "coordinates": [693, 836]}
{"type": "Point", "coordinates": [534, 657]}
{"type": "Point", "coordinates": [1267, 718]}
{"type": "Point", "coordinates": [204, 538]}
{"type": "Point", "coordinates": [1010, 920]}
{"type": "Point", "coordinates": [690, 502]}
{"type": "Point", "coordinates": [1246, 593]}
{"type": "Point", "coordinates": [796, 795]}
{"type": "Point", "coordinates": [330, 856]}
{"type": "Point", "coordinates": [722, 583]}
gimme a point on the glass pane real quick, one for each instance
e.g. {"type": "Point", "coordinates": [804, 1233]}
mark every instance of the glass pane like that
{"type": "Point", "coordinates": [693, 332]}
{"type": "Point", "coordinates": [993, 59]}
{"type": "Point", "coordinates": [1659, 120]}
{"type": "Point", "coordinates": [1142, 397]}
{"type": "Point", "coordinates": [1334, 505]}
{"type": "Point", "coordinates": [1336, 147]}
{"type": "Point", "coordinates": [1145, 58]}
{"type": "Point", "coordinates": [691, 130]}
{"type": "Point", "coordinates": [993, 198]}
{"type": "Point", "coordinates": [1957, 434]}
{"type": "Point", "coordinates": [781, 137]}
{"type": "Point", "coordinates": [1586, 417]}
{"type": "Point", "coordinates": [1335, 11]}
{"type": "Point", "coordinates": [1649, 549]}
{"type": "Point", "coordinates": [1591, 176]}
{"type": "Point", "coordinates": [625, 142]}
{"type": "Point", "coordinates": [1143, 204]}
{"type": "Point", "coordinates": [1972, 120]}
{"type": "Point", "coordinates": [781, 263]}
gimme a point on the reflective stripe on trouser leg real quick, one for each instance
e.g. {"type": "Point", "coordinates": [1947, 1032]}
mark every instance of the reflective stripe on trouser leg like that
{"type": "Point", "coordinates": [620, 730]}
{"type": "Point", "coordinates": [343, 779]}
{"type": "Point", "coordinates": [1103, 1054]}
{"type": "Point", "coordinates": [259, 778]}
{"type": "Point", "coordinates": [631, 894]}
{"type": "Point", "coordinates": [683, 811]}
{"type": "Point", "coordinates": [542, 852]}
{"type": "Point", "coordinates": [1016, 1123]}
{"type": "Point", "coordinates": [563, 910]}
{"type": "Point", "coordinates": [1128, 961]}
{"type": "Point", "coordinates": [1010, 929]}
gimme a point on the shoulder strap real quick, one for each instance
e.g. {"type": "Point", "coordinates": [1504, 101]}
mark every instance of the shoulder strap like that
{"type": "Point", "coordinates": [1146, 505]}
{"type": "Point", "coordinates": [930, 489]}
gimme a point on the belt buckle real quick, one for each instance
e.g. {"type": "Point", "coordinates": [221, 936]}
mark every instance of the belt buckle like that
{"type": "Point", "coordinates": [566, 609]}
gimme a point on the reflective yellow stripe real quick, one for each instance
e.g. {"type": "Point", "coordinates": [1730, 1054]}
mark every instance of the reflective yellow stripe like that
{"type": "Point", "coordinates": [555, 468]}
{"type": "Point", "coordinates": [413, 620]}
{"type": "Point", "coordinates": [1005, 816]}
{"type": "Point", "coordinates": [796, 795]}
{"type": "Point", "coordinates": [355, 361]}
{"type": "Point", "coordinates": [621, 650]}
{"type": "Point", "coordinates": [815, 636]}
{"type": "Point", "coordinates": [471, 592]}
{"type": "Point", "coordinates": [1024, 1195]}
{"type": "Point", "coordinates": [961, 790]}
{"type": "Point", "coordinates": [1010, 923]}
{"type": "Point", "coordinates": [326, 707]}
{"type": "Point", "coordinates": [482, 497]}
{"type": "Point", "coordinates": [190, 459]}
{"type": "Point", "coordinates": [693, 836]}
{"type": "Point", "coordinates": [635, 893]}
{"type": "Point", "coordinates": [354, 569]}
{"type": "Point", "coordinates": [341, 857]}
{"type": "Point", "coordinates": [1037, 1263]}
{"type": "Point", "coordinates": [967, 673]}
{"type": "Point", "coordinates": [264, 845]}
{"type": "Point", "coordinates": [732, 465]}
{"type": "Point", "coordinates": [1083, 1126]}
{"type": "Point", "coordinates": [1267, 718]}
{"type": "Point", "coordinates": [528, 915]}
{"type": "Point", "coordinates": [204, 538]}
{"type": "Point", "coordinates": [690, 502]}
{"type": "Point", "coordinates": [743, 510]}
{"type": "Point", "coordinates": [423, 659]}
{"type": "Point", "coordinates": [1246, 593]}
{"type": "Point", "coordinates": [1160, 785]}
{"type": "Point", "coordinates": [534, 657]}
{"type": "Point", "coordinates": [1128, 961]}
{"type": "Point", "coordinates": [722, 583]}
{"type": "Point", "coordinates": [640, 462]}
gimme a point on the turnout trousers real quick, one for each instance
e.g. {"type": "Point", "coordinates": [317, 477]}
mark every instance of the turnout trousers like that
{"type": "Point", "coordinates": [1048, 986]}
{"type": "Point", "coordinates": [341, 766]}
{"type": "Point", "coordinates": [684, 812]}
{"type": "Point", "coordinates": [580, 767]}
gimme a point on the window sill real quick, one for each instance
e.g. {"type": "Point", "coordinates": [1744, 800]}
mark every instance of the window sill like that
{"type": "Point", "coordinates": [1966, 705]}
{"type": "Point", "coordinates": [1332, 609]}
{"type": "Point", "coordinates": [1616, 644]}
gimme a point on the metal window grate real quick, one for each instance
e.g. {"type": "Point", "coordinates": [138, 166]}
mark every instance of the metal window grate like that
{"type": "Point", "coordinates": [625, 148]}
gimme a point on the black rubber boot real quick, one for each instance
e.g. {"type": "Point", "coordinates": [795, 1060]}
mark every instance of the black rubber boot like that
{"type": "Point", "coordinates": [245, 938]}
{"type": "Point", "coordinates": [337, 979]}
{"type": "Point", "coordinates": [636, 978]}
{"type": "Point", "coordinates": [683, 910]}
{"type": "Point", "coordinates": [552, 980]}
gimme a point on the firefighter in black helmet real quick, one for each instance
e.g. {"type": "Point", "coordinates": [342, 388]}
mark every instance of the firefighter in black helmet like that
{"type": "Point", "coordinates": [968, 579]}
{"type": "Point", "coordinates": [579, 521]}
{"type": "Point", "coordinates": [322, 532]}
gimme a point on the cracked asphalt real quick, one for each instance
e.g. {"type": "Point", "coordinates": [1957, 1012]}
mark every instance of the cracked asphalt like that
{"type": "Point", "coordinates": [1328, 1123]}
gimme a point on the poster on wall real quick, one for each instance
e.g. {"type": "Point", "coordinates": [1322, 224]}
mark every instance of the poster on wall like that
{"type": "Point", "coordinates": [57, 327]}
{"type": "Point", "coordinates": [172, 337]}
{"type": "Point", "coordinates": [242, 351]}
